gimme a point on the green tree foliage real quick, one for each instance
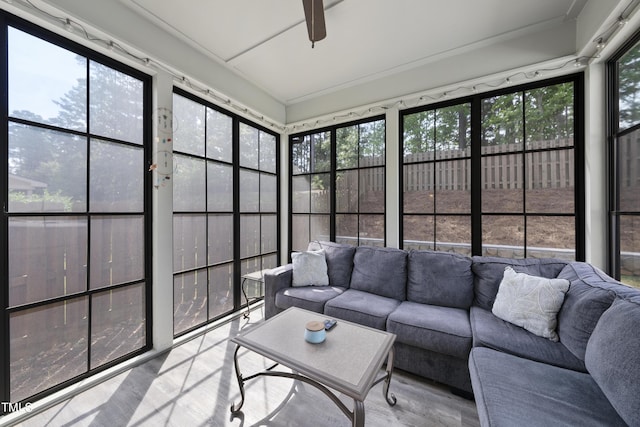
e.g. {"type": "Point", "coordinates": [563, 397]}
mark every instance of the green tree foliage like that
{"type": "Point", "coordinates": [629, 88]}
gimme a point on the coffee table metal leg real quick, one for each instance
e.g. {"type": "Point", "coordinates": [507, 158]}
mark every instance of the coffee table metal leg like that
{"type": "Point", "coordinates": [358, 414]}
{"type": "Point", "coordinates": [391, 399]}
{"type": "Point", "coordinates": [236, 408]}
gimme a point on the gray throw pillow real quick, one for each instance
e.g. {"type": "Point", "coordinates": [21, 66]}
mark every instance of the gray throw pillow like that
{"type": "Point", "coordinates": [530, 302]}
{"type": "Point", "coordinates": [309, 268]}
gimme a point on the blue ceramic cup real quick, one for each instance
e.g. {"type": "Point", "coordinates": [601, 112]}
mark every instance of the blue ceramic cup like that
{"type": "Point", "coordinates": [314, 332]}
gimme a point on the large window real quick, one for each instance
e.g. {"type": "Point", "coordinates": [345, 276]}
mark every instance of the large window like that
{"type": "Point", "coordinates": [75, 234]}
{"type": "Point", "coordinates": [496, 174]}
{"type": "Point", "coordinates": [225, 203]}
{"type": "Point", "coordinates": [624, 155]}
{"type": "Point", "coordinates": [338, 185]}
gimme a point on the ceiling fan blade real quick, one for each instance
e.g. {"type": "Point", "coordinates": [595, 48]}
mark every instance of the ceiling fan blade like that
{"type": "Point", "coordinates": [314, 15]}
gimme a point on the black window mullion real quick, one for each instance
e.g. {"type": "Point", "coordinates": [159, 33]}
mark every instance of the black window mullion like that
{"type": "Point", "coordinates": [4, 225]}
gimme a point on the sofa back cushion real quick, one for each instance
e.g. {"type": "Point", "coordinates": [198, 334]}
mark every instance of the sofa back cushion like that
{"type": "Point", "coordinates": [339, 261]}
{"type": "Point", "coordinates": [488, 272]}
{"type": "Point", "coordinates": [380, 271]}
{"type": "Point", "coordinates": [613, 358]}
{"type": "Point", "coordinates": [439, 278]}
{"type": "Point", "coordinates": [591, 292]}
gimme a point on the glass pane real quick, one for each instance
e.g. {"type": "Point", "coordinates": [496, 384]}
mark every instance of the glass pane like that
{"type": "Point", "coordinates": [550, 116]}
{"type": "Point", "coordinates": [116, 104]}
{"type": "Point", "coordinates": [347, 191]}
{"type": "Point", "coordinates": [299, 232]}
{"type": "Point", "coordinates": [347, 229]}
{"type": "Point", "coordinates": [371, 190]}
{"type": "Point", "coordinates": [418, 186]}
{"type": "Point", "coordinates": [188, 184]}
{"type": "Point", "coordinates": [320, 228]}
{"type": "Point", "coordinates": [47, 346]}
{"type": "Point", "coordinates": [47, 170]}
{"type": "Point", "coordinates": [629, 89]}
{"type": "Point", "coordinates": [372, 144]}
{"type": "Point", "coordinates": [47, 258]}
{"type": "Point", "coordinates": [268, 193]}
{"type": "Point", "coordinates": [249, 235]}
{"type": "Point", "coordinates": [269, 235]}
{"type": "Point", "coordinates": [117, 250]}
{"type": "Point", "coordinates": [117, 177]}
{"type": "Point", "coordinates": [321, 152]}
{"type": "Point", "coordinates": [551, 237]}
{"type": "Point", "coordinates": [189, 123]}
{"type": "Point", "coordinates": [629, 171]}
{"type": "Point", "coordinates": [249, 146]}
{"type": "Point", "coordinates": [347, 147]}
{"type": "Point", "coordinates": [189, 242]}
{"type": "Point", "coordinates": [250, 265]}
{"type": "Point", "coordinates": [371, 230]}
{"type": "Point", "coordinates": [502, 183]}
{"type": "Point", "coordinates": [453, 183]}
{"type": "Point", "coordinates": [453, 234]}
{"type": "Point", "coordinates": [249, 191]}
{"type": "Point", "coordinates": [321, 193]}
{"type": "Point", "coordinates": [300, 155]}
{"type": "Point", "coordinates": [418, 231]}
{"type": "Point", "coordinates": [503, 236]}
{"type": "Point", "coordinates": [301, 194]}
{"type": "Point", "coordinates": [453, 132]}
{"type": "Point", "coordinates": [630, 250]}
{"type": "Point", "coordinates": [502, 127]}
{"type": "Point", "coordinates": [418, 139]}
{"type": "Point", "coordinates": [220, 238]}
{"type": "Point", "coordinates": [268, 262]}
{"type": "Point", "coordinates": [220, 290]}
{"type": "Point", "coordinates": [189, 300]}
{"type": "Point", "coordinates": [47, 83]}
{"type": "Point", "coordinates": [268, 152]}
{"type": "Point", "coordinates": [550, 182]}
{"type": "Point", "coordinates": [117, 323]}
{"type": "Point", "coordinates": [219, 187]}
{"type": "Point", "coordinates": [219, 136]}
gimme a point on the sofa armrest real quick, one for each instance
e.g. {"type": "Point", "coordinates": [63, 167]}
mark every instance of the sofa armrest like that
{"type": "Point", "coordinates": [276, 279]}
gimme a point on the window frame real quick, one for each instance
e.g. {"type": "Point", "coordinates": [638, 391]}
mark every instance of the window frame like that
{"type": "Point", "coordinates": [8, 20]}
{"type": "Point", "coordinates": [476, 156]}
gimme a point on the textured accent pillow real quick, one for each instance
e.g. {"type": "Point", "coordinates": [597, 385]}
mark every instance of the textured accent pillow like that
{"type": "Point", "coordinates": [530, 302]}
{"type": "Point", "coordinates": [309, 269]}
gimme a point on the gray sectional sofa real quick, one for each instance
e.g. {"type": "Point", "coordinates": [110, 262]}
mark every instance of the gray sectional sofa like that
{"type": "Point", "coordinates": [439, 305]}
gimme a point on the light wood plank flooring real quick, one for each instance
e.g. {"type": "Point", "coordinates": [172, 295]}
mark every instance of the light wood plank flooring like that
{"type": "Point", "coordinates": [194, 384]}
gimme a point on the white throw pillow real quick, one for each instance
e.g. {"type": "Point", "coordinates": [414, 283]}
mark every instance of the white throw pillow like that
{"type": "Point", "coordinates": [310, 268]}
{"type": "Point", "coordinates": [530, 302]}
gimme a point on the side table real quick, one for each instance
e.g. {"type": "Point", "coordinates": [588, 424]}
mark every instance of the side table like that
{"type": "Point", "coordinates": [258, 278]}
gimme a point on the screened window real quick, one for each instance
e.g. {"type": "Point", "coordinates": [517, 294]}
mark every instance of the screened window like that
{"type": "Point", "coordinates": [496, 174]}
{"type": "Point", "coordinates": [225, 206]}
{"type": "Point", "coordinates": [76, 196]}
{"type": "Point", "coordinates": [338, 185]}
{"type": "Point", "coordinates": [624, 154]}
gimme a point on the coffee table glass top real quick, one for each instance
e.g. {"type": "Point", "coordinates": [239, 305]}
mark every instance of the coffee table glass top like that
{"type": "Point", "coordinates": [348, 360]}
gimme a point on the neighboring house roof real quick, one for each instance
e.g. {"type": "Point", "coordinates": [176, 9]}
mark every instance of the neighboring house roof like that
{"type": "Point", "coordinates": [18, 183]}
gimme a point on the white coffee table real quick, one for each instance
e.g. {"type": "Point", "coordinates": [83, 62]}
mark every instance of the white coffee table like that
{"type": "Point", "coordinates": [348, 361]}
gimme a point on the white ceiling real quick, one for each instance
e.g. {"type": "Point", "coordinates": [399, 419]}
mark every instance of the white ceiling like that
{"type": "Point", "coordinates": [265, 41]}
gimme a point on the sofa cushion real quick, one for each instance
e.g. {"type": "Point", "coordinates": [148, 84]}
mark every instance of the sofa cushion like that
{"type": "Point", "coordinates": [492, 332]}
{"type": "Point", "coordinates": [513, 391]}
{"type": "Point", "coordinates": [311, 298]}
{"type": "Point", "coordinates": [361, 307]}
{"type": "Point", "coordinates": [488, 273]}
{"type": "Point", "coordinates": [589, 295]}
{"type": "Point", "coordinates": [613, 358]}
{"type": "Point", "coordinates": [445, 330]}
{"type": "Point", "coordinates": [439, 278]}
{"type": "Point", "coordinates": [339, 261]}
{"type": "Point", "coordinates": [530, 302]}
{"type": "Point", "coordinates": [380, 271]}
{"type": "Point", "coordinates": [309, 269]}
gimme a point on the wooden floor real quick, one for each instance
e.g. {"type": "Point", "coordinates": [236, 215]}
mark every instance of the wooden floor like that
{"type": "Point", "coordinates": [194, 385]}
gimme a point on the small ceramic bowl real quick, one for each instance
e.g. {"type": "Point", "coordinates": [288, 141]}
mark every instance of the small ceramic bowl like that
{"type": "Point", "coordinates": [314, 332]}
